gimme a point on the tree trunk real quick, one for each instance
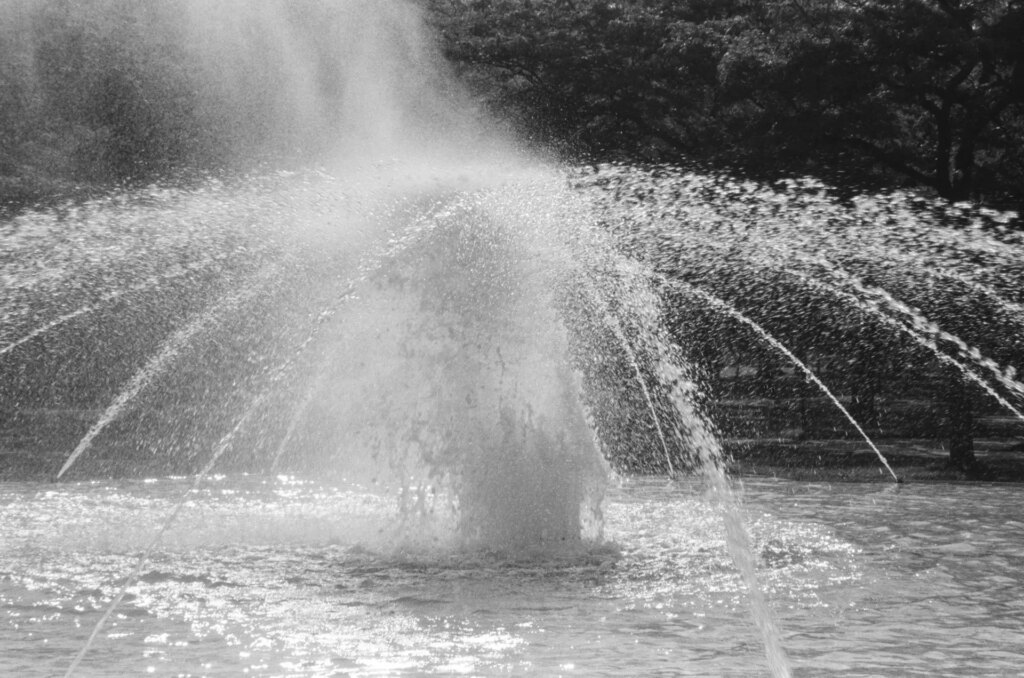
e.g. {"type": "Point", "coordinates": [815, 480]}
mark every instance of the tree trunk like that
{"type": "Point", "coordinates": [959, 424]}
{"type": "Point", "coordinates": [943, 158]}
{"type": "Point", "coordinates": [865, 383]}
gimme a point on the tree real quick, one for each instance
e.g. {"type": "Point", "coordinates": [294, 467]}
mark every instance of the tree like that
{"type": "Point", "coordinates": [946, 102]}
{"type": "Point", "coordinates": [927, 93]}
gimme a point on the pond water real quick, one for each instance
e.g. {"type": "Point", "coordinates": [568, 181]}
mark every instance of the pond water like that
{"type": "Point", "coordinates": [288, 577]}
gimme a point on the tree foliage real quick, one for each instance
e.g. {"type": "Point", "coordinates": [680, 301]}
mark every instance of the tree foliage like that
{"type": "Point", "coordinates": [915, 92]}
{"type": "Point", "coordinates": [928, 93]}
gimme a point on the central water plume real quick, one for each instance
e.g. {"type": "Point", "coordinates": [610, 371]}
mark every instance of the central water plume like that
{"type": "Point", "coordinates": [452, 369]}
{"type": "Point", "coordinates": [349, 83]}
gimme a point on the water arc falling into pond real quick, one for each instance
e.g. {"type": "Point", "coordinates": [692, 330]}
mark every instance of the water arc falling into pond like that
{"type": "Point", "coordinates": [725, 308]}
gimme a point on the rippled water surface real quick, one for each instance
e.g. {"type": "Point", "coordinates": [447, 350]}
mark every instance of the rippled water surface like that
{"type": "Point", "coordinates": [288, 577]}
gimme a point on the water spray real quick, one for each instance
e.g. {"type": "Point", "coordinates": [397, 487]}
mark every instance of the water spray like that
{"type": "Point", "coordinates": [725, 308]}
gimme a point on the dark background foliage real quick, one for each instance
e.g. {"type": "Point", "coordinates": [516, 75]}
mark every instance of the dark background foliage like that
{"type": "Point", "coordinates": [874, 93]}
{"type": "Point", "coordinates": [863, 93]}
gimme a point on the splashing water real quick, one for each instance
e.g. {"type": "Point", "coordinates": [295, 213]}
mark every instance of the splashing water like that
{"type": "Point", "coordinates": [725, 308]}
{"type": "Point", "coordinates": [463, 336]}
{"type": "Point", "coordinates": [441, 368]}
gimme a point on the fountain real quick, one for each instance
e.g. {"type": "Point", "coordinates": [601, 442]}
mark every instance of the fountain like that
{"type": "Point", "coordinates": [385, 417]}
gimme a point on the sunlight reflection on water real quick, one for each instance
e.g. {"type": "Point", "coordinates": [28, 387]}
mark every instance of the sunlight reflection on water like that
{"type": "Point", "coordinates": [288, 577]}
